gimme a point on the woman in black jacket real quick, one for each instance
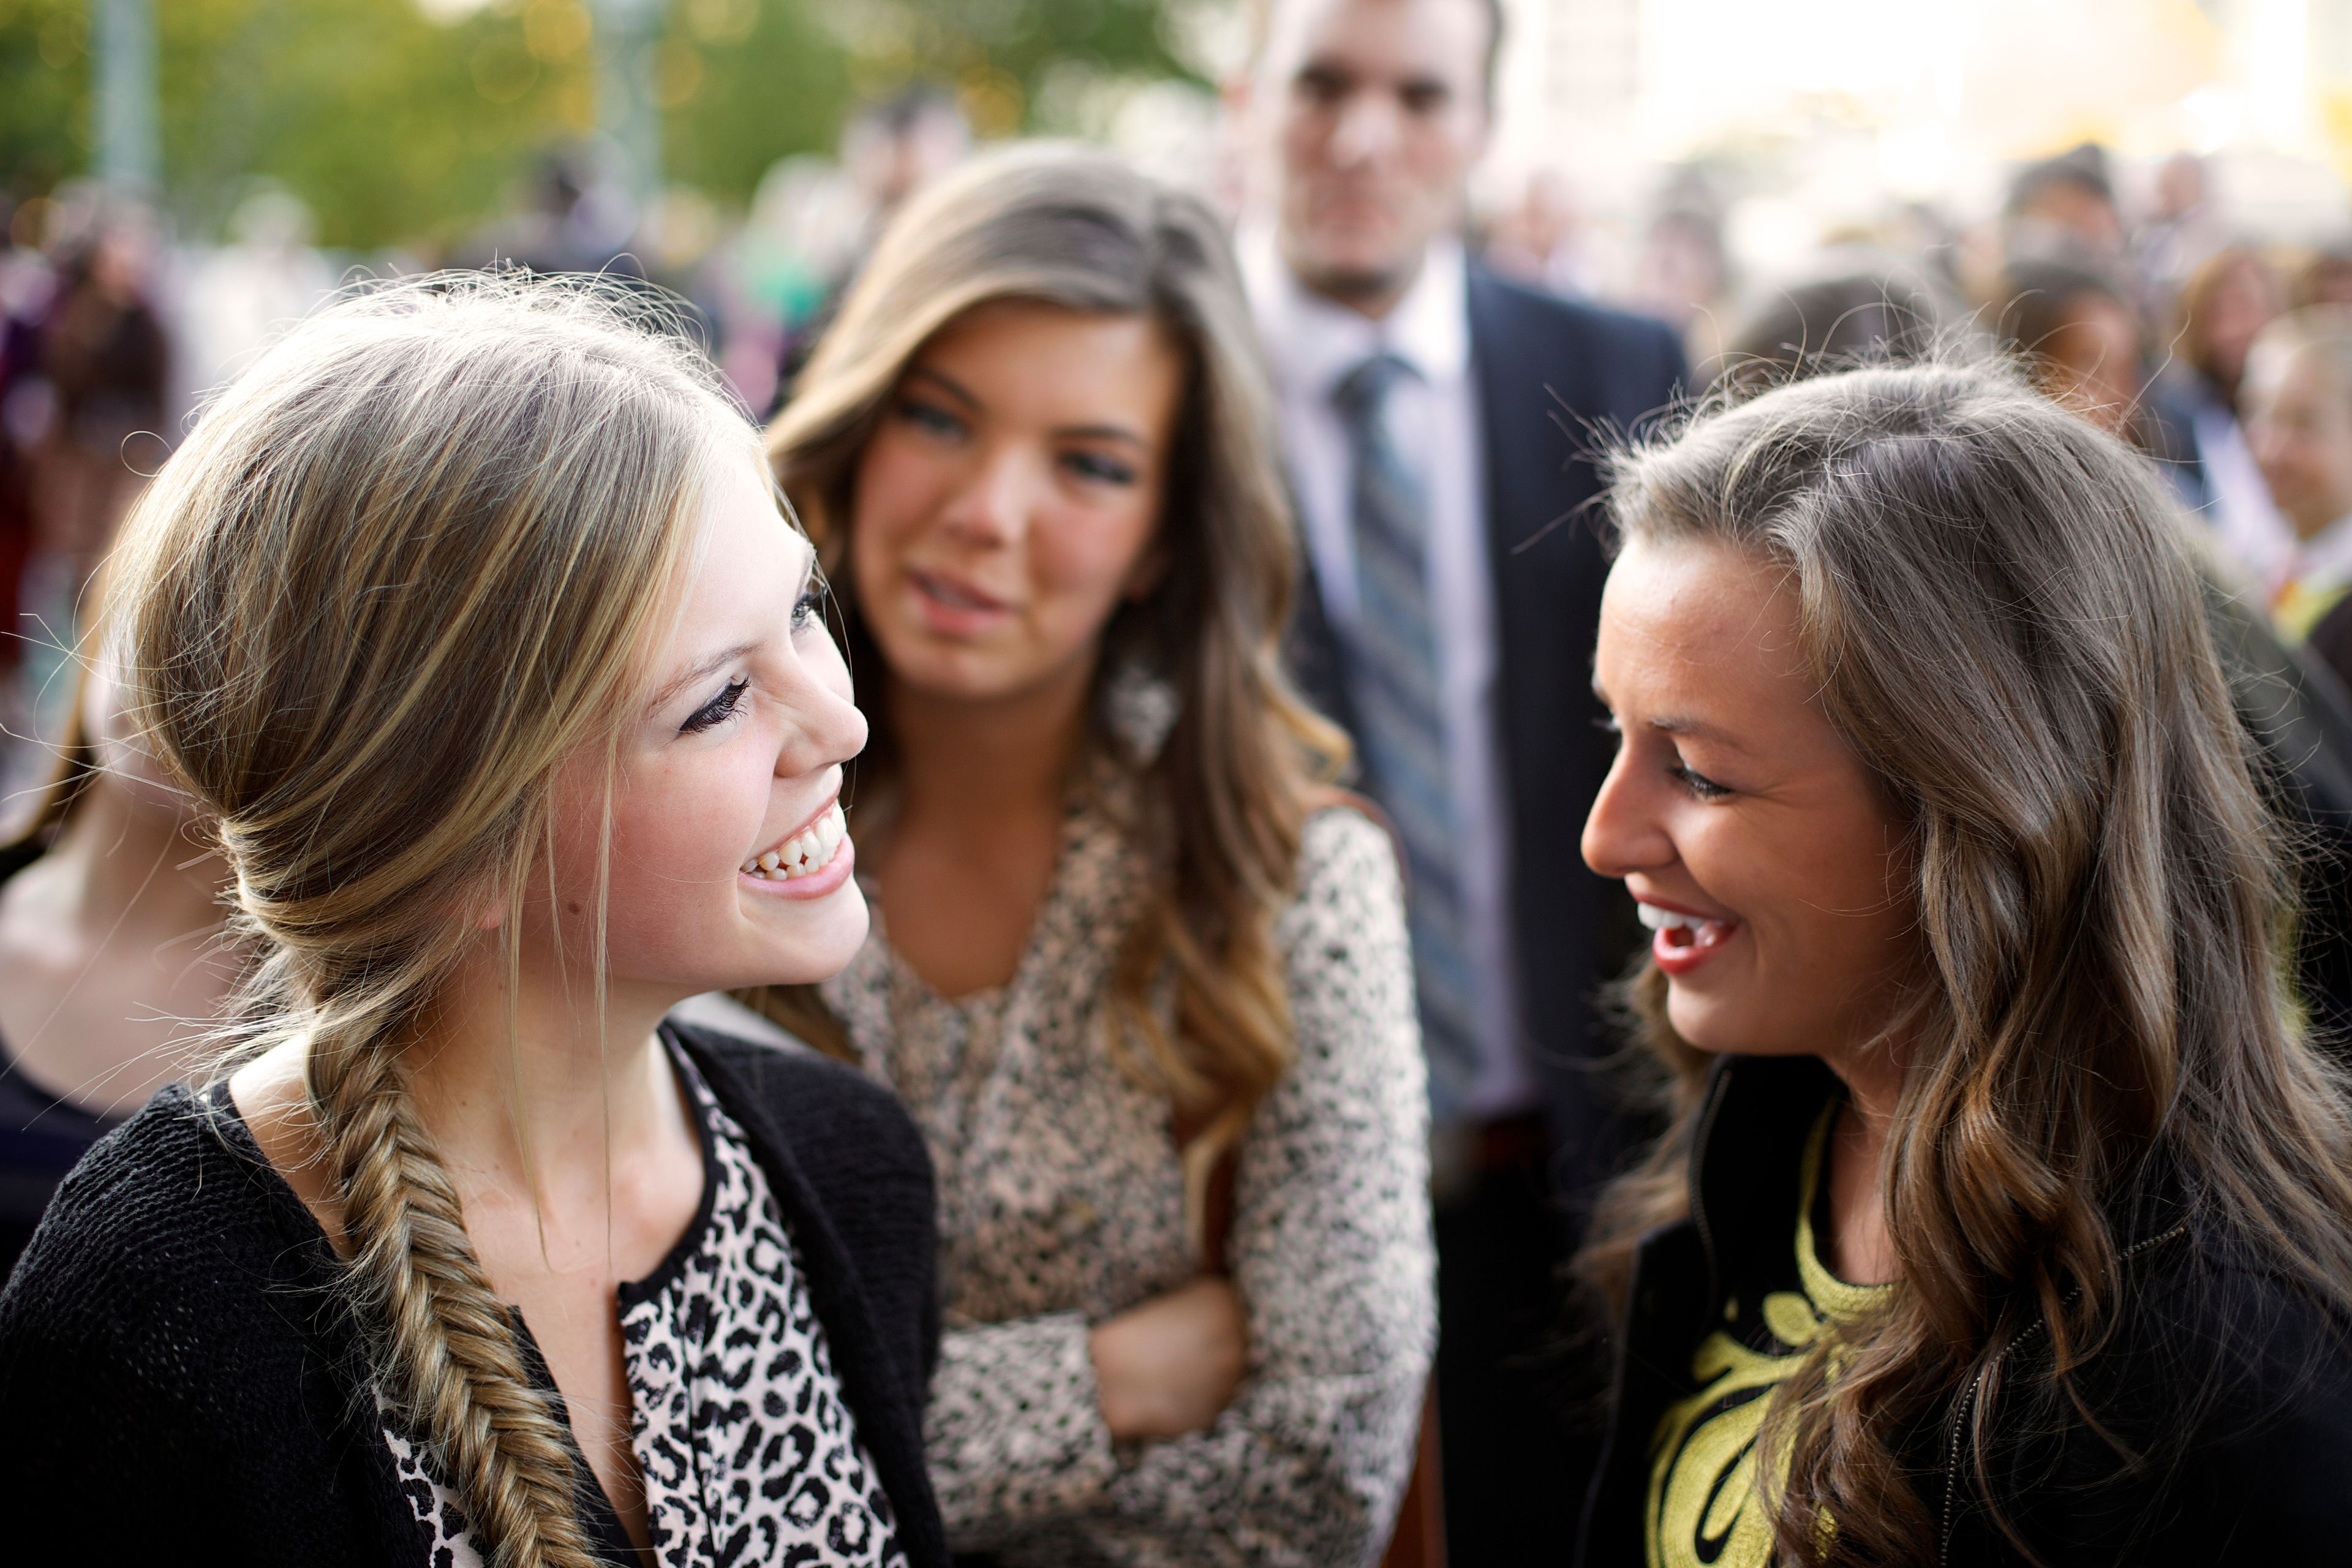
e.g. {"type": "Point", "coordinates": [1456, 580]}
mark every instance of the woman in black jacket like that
{"type": "Point", "coordinates": [2008, 1217]}
{"type": "Point", "coordinates": [470, 619]}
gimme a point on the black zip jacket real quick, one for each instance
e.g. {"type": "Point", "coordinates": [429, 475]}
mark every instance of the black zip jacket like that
{"type": "Point", "coordinates": [2225, 1391]}
{"type": "Point", "coordinates": [181, 1380]}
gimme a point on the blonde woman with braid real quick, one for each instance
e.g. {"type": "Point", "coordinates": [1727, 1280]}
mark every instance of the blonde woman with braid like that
{"type": "Point", "coordinates": [1141, 975]}
{"type": "Point", "coordinates": [470, 619]}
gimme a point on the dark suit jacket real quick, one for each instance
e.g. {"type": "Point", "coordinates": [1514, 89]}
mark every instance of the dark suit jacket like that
{"type": "Point", "coordinates": [1549, 373]}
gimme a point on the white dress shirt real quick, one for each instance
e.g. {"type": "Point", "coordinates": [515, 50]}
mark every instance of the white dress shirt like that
{"type": "Point", "coordinates": [1432, 416]}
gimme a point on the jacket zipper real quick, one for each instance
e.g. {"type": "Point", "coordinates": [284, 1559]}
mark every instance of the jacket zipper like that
{"type": "Point", "coordinates": [1976, 1386]}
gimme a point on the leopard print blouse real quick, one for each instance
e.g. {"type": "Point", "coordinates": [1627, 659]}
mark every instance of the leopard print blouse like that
{"type": "Point", "coordinates": [1062, 1202]}
{"type": "Point", "coordinates": [748, 1449]}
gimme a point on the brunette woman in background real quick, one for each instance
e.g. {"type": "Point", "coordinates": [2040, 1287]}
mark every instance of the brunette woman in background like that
{"type": "Point", "coordinates": [1139, 973]}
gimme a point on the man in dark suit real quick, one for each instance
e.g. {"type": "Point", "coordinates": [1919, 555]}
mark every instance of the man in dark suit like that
{"type": "Point", "coordinates": [1434, 416]}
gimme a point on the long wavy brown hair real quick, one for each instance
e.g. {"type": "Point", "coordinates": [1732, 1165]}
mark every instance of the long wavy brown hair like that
{"type": "Point", "coordinates": [1226, 797]}
{"type": "Point", "coordinates": [1999, 612]}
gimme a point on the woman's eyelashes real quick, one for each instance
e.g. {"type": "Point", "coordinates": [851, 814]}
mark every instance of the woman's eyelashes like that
{"type": "Point", "coordinates": [929, 418]}
{"type": "Point", "coordinates": [719, 710]}
{"type": "Point", "coordinates": [1099, 468]}
{"type": "Point", "coordinates": [1698, 783]}
{"type": "Point", "coordinates": [811, 602]}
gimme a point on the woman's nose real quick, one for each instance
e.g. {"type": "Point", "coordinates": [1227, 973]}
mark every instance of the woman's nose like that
{"type": "Point", "coordinates": [1622, 834]}
{"type": "Point", "coordinates": [827, 730]}
{"type": "Point", "coordinates": [994, 506]}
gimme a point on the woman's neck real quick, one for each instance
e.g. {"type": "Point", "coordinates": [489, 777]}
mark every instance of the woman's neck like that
{"type": "Point", "coordinates": [132, 868]}
{"type": "Point", "coordinates": [594, 1097]}
{"type": "Point", "coordinates": [976, 760]}
{"type": "Point", "coordinates": [969, 854]}
{"type": "Point", "coordinates": [1862, 1249]}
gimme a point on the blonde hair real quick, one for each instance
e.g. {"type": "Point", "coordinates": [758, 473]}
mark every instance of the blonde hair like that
{"type": "Point", "coordinates": [401, 571]}
{"type": "Point", "coordinates": [1226, 797]}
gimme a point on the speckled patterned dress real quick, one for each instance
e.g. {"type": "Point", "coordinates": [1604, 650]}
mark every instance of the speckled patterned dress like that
{"type": "Point", "coordinates": [1062, 1202]}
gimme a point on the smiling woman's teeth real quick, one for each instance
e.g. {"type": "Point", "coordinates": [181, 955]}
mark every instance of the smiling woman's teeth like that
{"type": "Point", "coordinates": [805, 853]}
{"type": "Point", "coordinates": [1682, 930]}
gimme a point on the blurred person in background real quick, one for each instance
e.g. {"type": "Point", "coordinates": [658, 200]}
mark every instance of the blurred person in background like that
{"type": "Point", "coordinates": [1836, 323]}
{"type": "Point", "coordinates": [2298, 403]}
{"type": "Point", "coordinates": [2085, 345]}
{"type": "Point", "coordinates": [889, 151]}
{"type": "Point", "coordinates": [1683, 275]}
{"type": "Point", "coordinates": [112, 960]}
{"type": "Point", "coordinates": [1140, 973]}
{"type": "Point", "coordinates": [574, 217]}
{"type": "Point", "coordinates": [1431, 413]}
{"type": "Point", "coordinates": [2224, 303]}
{"type": "Point", "coordinates": [1538, 239]}
{"type": "Point", "coordinates": [106, 359]}
{"type": "Point", "coordinates": [2325, 278]}
{"type": "Point", "coordinates": [240, 295]}
{"type": "Point", "coordinates": [26, 404]}
{"type": "Point", "coordinates": [2065, 204]}
{"type": "Point", "coordinates": [2181, 232]}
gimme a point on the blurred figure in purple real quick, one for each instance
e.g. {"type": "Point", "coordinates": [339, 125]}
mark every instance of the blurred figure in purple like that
{"type": "Point", "coordinates": [106, 359]}
{"type": "Point", "coordinates": [26, 408]}
{"type": "Point", "coordinates": [574, 217]}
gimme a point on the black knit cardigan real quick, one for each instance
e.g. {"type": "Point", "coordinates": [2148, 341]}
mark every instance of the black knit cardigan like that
{"type": "Point", "coordinates": [180, 1379]}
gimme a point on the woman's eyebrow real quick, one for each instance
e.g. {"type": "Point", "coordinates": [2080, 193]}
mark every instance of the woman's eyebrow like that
{"type": "Point", "coordinates": [702, 669]}
{"type": "Point", "coordinates": [1678, 724]}
{"type": "Point", "coordinates": [1101, 433]}
{"type": "Point", "coordinates": [945, 383]}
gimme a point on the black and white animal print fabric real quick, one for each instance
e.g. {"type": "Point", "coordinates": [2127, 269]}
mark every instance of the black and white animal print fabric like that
{"type": "Point", "coordinates": [1062, 1202]}
{"type": "Point", "coordinates": [749, 1452]}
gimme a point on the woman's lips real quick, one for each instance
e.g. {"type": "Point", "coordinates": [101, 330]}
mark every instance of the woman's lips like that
{"type": "Point", "coordinates": [1681, 939]}
{"type": "Point", "coordinates": [954, 607]}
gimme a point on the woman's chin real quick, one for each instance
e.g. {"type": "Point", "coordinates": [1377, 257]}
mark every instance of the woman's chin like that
{"type": "Point", "coordinates": [816, 941]}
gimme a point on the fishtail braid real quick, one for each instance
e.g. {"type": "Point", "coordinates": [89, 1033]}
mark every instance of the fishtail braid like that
{"type": "Point", "coordinates": [446, 1342]}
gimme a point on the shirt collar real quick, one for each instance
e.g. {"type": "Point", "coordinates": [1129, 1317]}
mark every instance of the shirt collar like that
{"type": "Point", "coordinates": [2326, 556]}
{"type": "Point", "coordinates": [1313, 341]}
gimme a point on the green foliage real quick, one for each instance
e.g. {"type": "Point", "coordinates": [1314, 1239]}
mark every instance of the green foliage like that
{"type": "Point", "coordinates": [44, 92]}
{"type": "Point", "coordinates": [400, 129]}
{"type": "Point", "coordinates": [744, 83]}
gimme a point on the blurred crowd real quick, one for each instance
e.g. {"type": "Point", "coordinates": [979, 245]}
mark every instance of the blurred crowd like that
{"type": "Point", "coordinates": [2128, 288]}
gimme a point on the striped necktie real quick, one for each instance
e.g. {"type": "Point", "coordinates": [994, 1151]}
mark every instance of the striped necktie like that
{"type": "Point", "coordinates": [1392, 654]}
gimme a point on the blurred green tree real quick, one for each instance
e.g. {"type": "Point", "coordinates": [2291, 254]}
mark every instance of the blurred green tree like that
{"type": "Point", "coordinates": [407, 122]}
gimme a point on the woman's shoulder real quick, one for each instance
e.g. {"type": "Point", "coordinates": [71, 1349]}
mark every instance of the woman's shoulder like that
{"type": "Point", "coordinates": [161, 1195]}
{"type": "Point", "coordinates": [1347, 845]}
{"type": "Point", "coordinates": [170, 1247]}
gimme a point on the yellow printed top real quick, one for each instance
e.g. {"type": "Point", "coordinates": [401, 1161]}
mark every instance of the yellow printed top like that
{"type": "Point", "coordinates": [1703, 1509]}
